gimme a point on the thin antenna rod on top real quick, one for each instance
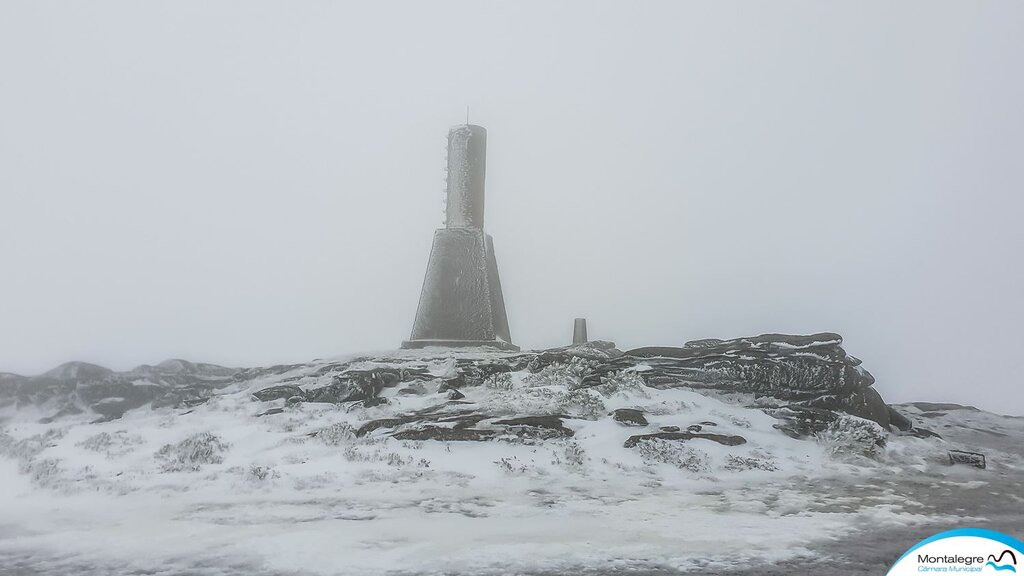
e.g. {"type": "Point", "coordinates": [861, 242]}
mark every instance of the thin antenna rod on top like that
{"type": "Point", "coordinates": [467, 114]}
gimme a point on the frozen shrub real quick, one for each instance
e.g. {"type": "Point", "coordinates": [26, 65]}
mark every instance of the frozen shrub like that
{"type": "Point", "coordinates": [258, 474]}
{"type": "Point", "coordinates": [512, 466]}
{"type": "Point", "coordinates": [572, 457]}
{"type": "Point", "coordinates": [585, 404]}
{"type": "Point", "coordinates": [353, 454]}
{"type": "Point", "coordinates": [656, 450]}
{"type": "Point", "coordinates": [568, 374]}
{"type": "Point", "coordinates": [852, 436]}
{"type": "Point", "coordinates": [625, 382]}
{"type": "Point", "coordinates": [191, 453]}
{"type": "Point", "coordinates": [336, 434]}
{"type": "Point", "coordinates": [45, 473]}
{"type": "Point", "coordinates": [757, 462]}
{"type": "Point", "coordinates": [582, 403]}
{"type": "Point", "coordinates": [499, 381]}
{"type": "Point", "coordinates": [116, 444]}
{"type": "Point", "coordinates": [97, 443]}
{"type": "Point", "coordinates": [356, 454]}
{"type": "Point", "coordinates": [28, 448]}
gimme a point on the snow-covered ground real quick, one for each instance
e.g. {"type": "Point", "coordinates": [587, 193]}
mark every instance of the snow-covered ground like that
{"type": "Point", "coordinates": [220, 490]}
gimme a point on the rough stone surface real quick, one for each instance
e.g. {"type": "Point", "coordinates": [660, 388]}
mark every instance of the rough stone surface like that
{"type": "Point", "coordinates": [777, 369]}
{"type": "Point", "coordinates": [550, 422]}
{"type": "Point", "coordinates": [974, 459]}
{"type": "Point", "coordinates": [899, 421]}
{"type": "Point", "coordinates": [629, 417]}
{"type": "Point", "coordinates": [724, 439]}
{"type": "Point", "coordinates": [804, 381]}
{"type": "Point", "coordinates": [444, 434]}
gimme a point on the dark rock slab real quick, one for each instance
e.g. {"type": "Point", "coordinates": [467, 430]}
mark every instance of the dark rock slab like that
{"type": "Point", "coordinates": [812, 371]}
{"type": "Point", "coordinates": [385, 423]}
{"type": "Point", "coordinates": [975, 459]}
{"type": "Point", "coordinates": [277, 393]}
{"type": "Point", "coordinates": [802, 421]}
{"type": "Point", "coordinates": [724, 439]}
{"type": "Point", "coordinates": [941, 406]}
{"type": "Point", "coordinates": [923, 433]}
{"type": "Point", "coordinates": [901, 422]}
{"type": "Point", "coordinates": [629, 417]}
{"type": "Point", "coordinates": [549, 422]}
{"type": "Point", "coordinates": [444, 434]}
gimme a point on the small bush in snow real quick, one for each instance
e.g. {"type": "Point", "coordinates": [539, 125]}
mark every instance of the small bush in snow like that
{"type": "Point", "coordinates": [116, 444]}
{"type": "Point", "coordinates": [626, 382]}
{"type": "Point", "coordinates": [46, 473]}
{"type": "Point", "coordinates": [499, 381]}
{"type": "Point", "coordinates": [656, 450]}
{"type": "Point", "coordinates": [356, 454]}
{"type": "Point", "coordinates": [569, 375]}
{"type": "Point", "coordinates": [741, 463]}
{"type": "Point", "coordinates": [572, 457]}
{"type": "Point", "coordinates": [512, 466]}
{"type": "Point", "coordinates": [853, 436]}
{"type": "Point", "coordinates": [191, 453]}
{"type": "Point", "coordinates": [258, 474]}
{"type": "Point", "coordinates": [583, 403]}
{"type": "Point", "coordinates": [336, 434]}
{"type": "Point", "coordinates": [28, 448]}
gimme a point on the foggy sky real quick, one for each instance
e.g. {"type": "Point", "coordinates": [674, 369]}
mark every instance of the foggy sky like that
{"type": "Point", "coordinates": [250, 183]}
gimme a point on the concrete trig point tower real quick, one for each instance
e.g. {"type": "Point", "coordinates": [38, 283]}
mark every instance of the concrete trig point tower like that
{"type": "Point", "coordinates": [461, 302]}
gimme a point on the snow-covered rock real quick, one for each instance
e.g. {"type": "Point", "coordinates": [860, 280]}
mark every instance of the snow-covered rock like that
{"type": "Point", "coordinates": [527, 471]}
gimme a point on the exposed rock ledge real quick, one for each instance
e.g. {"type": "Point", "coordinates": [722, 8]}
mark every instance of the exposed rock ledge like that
{"type": "Point", "coordinates": [802, 380]}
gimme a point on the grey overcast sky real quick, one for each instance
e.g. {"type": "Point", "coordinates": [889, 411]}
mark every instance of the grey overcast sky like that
{"type": "Point", "coordinates": [254, 182]}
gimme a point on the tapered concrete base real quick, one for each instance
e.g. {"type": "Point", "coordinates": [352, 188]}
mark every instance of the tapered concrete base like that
{"type": "Point", "coordinates": [461, 302]}
{"type": "Point", "coordinates": [413, 344]}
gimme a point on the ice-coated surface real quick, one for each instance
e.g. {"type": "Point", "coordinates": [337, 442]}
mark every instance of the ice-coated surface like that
{"type": "Point", "coordinates": [467, 165]}
{"type": "Point", "coordinates": [310, 488]}
{"type": "Point", "coordinates": [461, 298]}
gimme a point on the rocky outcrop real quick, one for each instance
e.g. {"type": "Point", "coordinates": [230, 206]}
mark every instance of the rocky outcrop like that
{"type": "Point", "coordinates": [775, 370]}
{"type": "Point", "coordinates": [804, 381]}
{"type": "Point", "coordinates": [629, 417]}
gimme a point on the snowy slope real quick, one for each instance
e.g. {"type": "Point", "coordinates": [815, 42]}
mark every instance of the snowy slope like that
{"type": "Point", "coordinates": [283, 486]}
